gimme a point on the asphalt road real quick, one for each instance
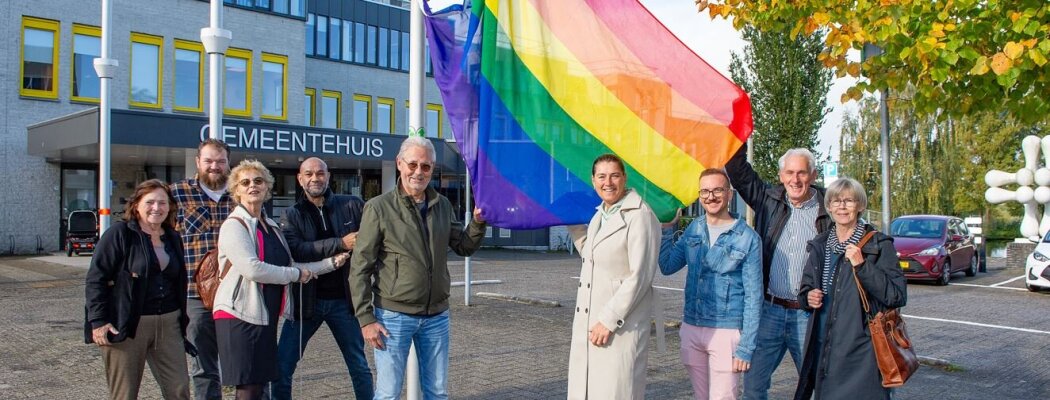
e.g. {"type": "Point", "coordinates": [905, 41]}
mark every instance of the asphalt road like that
{"type": "Point", "coordinates": [993, 336]}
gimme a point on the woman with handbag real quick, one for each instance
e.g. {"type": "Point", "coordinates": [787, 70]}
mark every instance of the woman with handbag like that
{"type": "Point", "coordinates": [839, 359]}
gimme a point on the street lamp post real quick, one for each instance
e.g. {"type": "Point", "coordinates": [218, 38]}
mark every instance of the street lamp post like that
{"type": "Point", "coordinates": [869, 51]}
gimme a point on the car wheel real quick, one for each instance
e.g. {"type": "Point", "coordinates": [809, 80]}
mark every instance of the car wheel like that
{"type": "Point", "coordinates": [946, 273]}
{"type": "Point", "coordinates": [973, 266]}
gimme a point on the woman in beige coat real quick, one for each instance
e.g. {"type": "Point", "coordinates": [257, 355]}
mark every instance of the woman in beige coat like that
{"type": "Point", "coordinates": [614, 302]}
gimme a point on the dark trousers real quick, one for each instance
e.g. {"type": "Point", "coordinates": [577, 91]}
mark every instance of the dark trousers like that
{"type": "Point", "coordinates": [205, 369]}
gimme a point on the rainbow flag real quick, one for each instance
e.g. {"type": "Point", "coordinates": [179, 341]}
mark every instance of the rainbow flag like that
{"type": "Point", "coordinates": [535, 90]}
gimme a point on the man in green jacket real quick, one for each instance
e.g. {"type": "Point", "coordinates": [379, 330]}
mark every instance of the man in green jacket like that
{"type": "Point", "coordinates": [399, 277]}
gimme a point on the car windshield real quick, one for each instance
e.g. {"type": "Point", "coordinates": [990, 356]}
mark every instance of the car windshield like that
{"type": "Point", "coordinates": [917, 228]}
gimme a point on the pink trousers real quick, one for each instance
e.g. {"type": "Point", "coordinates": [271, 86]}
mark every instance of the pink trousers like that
{"type": "Point", "coordinates": [708, 356]}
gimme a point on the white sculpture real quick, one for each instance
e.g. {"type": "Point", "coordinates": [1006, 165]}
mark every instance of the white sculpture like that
{"type": "Point", "coordinates": [1031, 224]}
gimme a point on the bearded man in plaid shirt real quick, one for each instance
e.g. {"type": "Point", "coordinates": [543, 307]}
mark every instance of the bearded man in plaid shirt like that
{"type": "Point", "coordinates": [203, 205]}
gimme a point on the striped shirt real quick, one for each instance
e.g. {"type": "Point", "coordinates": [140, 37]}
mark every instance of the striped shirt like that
{"type": "Point", "coordinates": [789, 256]}
{"type": "Point", "coordinates": [198, 221]}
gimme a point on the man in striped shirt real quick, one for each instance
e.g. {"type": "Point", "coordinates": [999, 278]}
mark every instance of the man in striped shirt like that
{"type": "Point", "coordinates": [203, 204]}
{"type": "Point", "coordinates": [787, 216]}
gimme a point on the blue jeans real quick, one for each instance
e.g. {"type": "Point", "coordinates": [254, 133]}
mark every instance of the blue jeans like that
{"type": "Point", "coordinates": [431, 336]}
{"type": "Point", "coordinates": [780, 329]}
{"type": "Point", "coordinates": [347, 333]}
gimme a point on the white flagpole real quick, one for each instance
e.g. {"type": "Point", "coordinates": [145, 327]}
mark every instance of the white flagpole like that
{"type": "Point", "coordinates": [416, 74]}
{"type": "Point", "coordinates": [215, 40]}
{"type": "Point", "coordinates": [105, 68]}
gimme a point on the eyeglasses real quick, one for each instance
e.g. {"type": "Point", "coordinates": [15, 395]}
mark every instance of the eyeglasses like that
{"type": "Point", "coordinates": [422, 166]}
{"type": "Point", "coordinates": [717, 192]}
{"type": "Point", "coordinates": [258, 181]}
{"type": "Point", "coordinates": [843, 202]}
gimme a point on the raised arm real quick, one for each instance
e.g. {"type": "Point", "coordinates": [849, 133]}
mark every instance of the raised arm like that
{"type": "Point", "coordinates": [744, 178]}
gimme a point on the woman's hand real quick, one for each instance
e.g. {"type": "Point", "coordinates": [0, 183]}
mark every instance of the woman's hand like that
{"type": "Point", "coordinates": [740, 365]}
{"type": "Point", "coordinates": [99, 335]}
{"type": "Point", "coordinates": [815, 298]}
{"type": "Point", "coordinates": [599, 334]}
{"type": "Point", "coordinates": [854, 255]}
{"type": "Point", "coordinates": [339, 259]}
{"type": "Point", "coordinates": [305, 275]}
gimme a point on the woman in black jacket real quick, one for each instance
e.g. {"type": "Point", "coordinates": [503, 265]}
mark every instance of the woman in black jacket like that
{"type": "Point", "coordinates": [839, 360]}
{"type": "Point", "coordinates": [135, 308]}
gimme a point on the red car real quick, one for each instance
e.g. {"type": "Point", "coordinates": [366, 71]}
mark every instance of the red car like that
{"type": "Point", "coordinates": [933, 247]}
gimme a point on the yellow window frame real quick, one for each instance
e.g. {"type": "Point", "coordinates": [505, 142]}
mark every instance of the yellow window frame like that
{"type": "Point", "coordinates": [440, 110]}
{"type": "Point", "coordinates": [155, 41]}
{"type": "Point", "coordinates": [389, 102]}
{"type": "Point", "coordinates": [43, 25]}
{"type": "Point", "coordinates": [199, 48]}
{"type": "Point", "coordinates": [83, 30]}
{"type": "Point", "coordinates": [338, 96]}
{"type": "Point", "coordinates": [283, 61]}
{"type": "Point", "coordinates": [311, 119]}
{"type": "Point", "coordinates": [368, 105]}
{"type": "Point", "coordinates": [247, 56]}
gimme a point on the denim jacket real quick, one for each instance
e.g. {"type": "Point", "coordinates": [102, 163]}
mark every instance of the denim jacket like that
{"type": "Point", "coordinates": [723, 286]}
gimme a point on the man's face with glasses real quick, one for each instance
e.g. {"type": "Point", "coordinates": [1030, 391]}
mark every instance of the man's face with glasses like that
{"type": "Point", "coordinates": [416, 169]}
{"type": "Point", "coordinates": [714, 192]}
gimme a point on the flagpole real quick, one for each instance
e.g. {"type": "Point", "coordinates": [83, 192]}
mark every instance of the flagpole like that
{"type": "Point", "coordinates": [215, 40]}
{"type": "Point", "coordinates": [416, 75]}
{"type": "Point", "coordinates": [105, 68]}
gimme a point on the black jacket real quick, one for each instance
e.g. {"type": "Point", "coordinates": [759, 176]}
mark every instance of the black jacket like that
{"type": "Point", "coordinates": [116, 284]}
{"type": "Point", "coordinates": [299, 229]}
{"type": "Point", "coordinates": [771, 206]}
{"type": "Point", "coordinates": [846, 368]}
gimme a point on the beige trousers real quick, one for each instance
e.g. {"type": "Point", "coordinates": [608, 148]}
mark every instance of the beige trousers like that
{"type": "Point", "coordinates": [158, 341]}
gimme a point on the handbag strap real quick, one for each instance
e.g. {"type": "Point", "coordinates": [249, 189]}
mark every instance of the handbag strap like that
{"type": "Point", "coordinates": [226, 268]}
{"type": "Point", "coordinates": [860, 288]}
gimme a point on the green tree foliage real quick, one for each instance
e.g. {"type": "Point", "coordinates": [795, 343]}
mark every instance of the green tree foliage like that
{"type": "Point", "coordinates": [956, 56]}
{"type": "Point", "coordinates": [788, 87]}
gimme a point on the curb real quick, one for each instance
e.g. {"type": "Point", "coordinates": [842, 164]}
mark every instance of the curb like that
{"type": "Point", "coordinates": [518, 299]}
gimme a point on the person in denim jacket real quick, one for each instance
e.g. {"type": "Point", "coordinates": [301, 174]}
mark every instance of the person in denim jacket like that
{"type": "Point", "coordinates": [723, 290]}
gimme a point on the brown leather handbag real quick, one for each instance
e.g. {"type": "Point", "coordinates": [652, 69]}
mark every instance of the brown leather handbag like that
{"type": "Point", "coordinates": [893, 349]}
{"type": "Point", "coordinates": [207, 278]}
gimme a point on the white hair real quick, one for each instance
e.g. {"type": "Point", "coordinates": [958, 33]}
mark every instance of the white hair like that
{"type": "Point", "coordinates": [798, 152]}
{"type": "Point", "coordinates": [418, 141]}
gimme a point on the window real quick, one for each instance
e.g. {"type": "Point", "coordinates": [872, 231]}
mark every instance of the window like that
{"type": "Point", "coordinates": [404, 51]}
{"type": "Point", "coordinates": [275, 86]}
{"type": "Point", "coordinates": [359, 42]}
{"type": "Point", "coordinates": [263, 4]}
{"type": "Point", "coordinates": [87, 45]}
{"type": "Point", "coordinates": [322, 37]}
{"type": "Point", "coordinates": [384, 115]}
{"type": "Point", "coordinates": [146, 62]}
{"type": "Point", "coordinates": [370, 39]}
{"type": "Point", "coordinates": [238, 88]}
{"type": "Point", "coordinates": [189, 68]}
{"type": "Point", "coordinates": [280, 6]}
{"type": "Point", "coordinates": [384, 47]}
{"type": "Point", "coordinates": [330, 109]}
{"type": "Point", "coordinates": [433, 121]}
{"type": "Point", "coordinates": [334, 31]}
{"type": "Point", "coordinates": [362, 113]}
{"type": "Point", "coordinates": [348, 39]}
{"type": "Point", "coordinates": [426, 57]}
{"type": "Point", "coordinates": [298, 7]}
{"type": "Point", "coordinates": [39, 53]}
{"type": "Point", "coordinates": [308, 102]}
{"type": "Point", "coordinates": [310, 35]}
{"type": "Point", "coordinates": [395, 49]}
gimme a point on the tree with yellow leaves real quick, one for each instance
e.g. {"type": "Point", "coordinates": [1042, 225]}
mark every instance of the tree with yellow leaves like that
{"type": "Point", "coordinates": [955, 56]}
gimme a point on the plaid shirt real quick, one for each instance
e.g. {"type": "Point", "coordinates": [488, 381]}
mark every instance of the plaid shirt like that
{"type": "Point", "coordinates": [198, 220]}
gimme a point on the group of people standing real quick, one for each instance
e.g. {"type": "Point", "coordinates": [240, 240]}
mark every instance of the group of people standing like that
{"type": "Point", "coordinates": [374, 272]}
{"type": "Point", "coordinates": [751, 295]}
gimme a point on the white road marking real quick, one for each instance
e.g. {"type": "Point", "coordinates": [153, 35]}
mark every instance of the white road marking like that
{"type": "Point", "coordinates": [989, 287]}
{"type": "Point", "coordinates": [1007, 281]}
{"type": "Point", "coordinates": [978, 324]}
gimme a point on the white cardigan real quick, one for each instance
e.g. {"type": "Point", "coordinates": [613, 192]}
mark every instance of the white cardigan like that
{"type": "Point", "coordinates": [239, 292]}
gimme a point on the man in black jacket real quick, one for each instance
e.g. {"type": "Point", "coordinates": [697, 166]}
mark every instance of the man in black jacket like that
{"type": "Point", "coordinates": [787, 216]}
{"type": "Point", "coordinates": [322, 224]}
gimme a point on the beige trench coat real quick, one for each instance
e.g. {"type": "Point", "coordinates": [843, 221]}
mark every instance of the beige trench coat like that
{"type": "Point", "coordinates": [619, 262]}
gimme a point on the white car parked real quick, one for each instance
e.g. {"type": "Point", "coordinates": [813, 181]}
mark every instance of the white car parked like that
{"type": "Point", "coordinates": [1037, 268]}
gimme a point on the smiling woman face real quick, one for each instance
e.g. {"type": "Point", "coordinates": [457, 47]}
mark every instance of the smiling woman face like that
{"type": "Point", "coordinates": [609, 181]}
{"type": "Point", "coordinates": [252, 187]}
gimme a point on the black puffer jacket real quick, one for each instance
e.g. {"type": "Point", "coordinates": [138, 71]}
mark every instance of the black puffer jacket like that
{"type": "Point", "coordinates": [116, 284]}
{"type": "Point", "coordinates": [299, 229]}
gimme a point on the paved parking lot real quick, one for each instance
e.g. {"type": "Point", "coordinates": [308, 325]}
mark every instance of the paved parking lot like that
{"type": "Point", "coordinates": [994, 335]}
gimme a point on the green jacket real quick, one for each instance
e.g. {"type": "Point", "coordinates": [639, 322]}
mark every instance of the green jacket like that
{"type": "Point", "coordinates": [398, 267]}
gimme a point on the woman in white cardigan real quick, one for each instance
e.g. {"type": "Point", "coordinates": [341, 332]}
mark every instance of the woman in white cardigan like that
{"type": "Point", "coordinates": [251, 296]}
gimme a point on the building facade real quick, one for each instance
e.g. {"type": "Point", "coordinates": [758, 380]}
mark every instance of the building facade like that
{"type": "Point", "coordinates": [326, 78]}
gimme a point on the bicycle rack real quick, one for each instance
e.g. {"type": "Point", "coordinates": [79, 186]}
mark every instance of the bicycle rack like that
{"type": "Point", "coordinates": [39, 244]}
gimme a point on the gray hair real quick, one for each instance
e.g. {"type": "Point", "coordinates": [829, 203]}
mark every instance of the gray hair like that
{"type": "Point", "coordinates": [844, 187]}
{"type": "Point", "coordinates": [418, 141]}
{"type": "Point", "coordinates": [798, 152]}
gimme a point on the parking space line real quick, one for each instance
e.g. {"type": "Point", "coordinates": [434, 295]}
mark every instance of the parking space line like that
{"type": "Point", "coordinates": [1007, 281]}
{"type": "Point", "coordinates": [658, 287]}
{"type": "Point", "coordinates": [988, 287]}
{"type": "Point", "coordinates": [978, 324]}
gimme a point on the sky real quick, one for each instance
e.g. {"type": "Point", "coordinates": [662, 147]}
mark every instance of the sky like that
{"type": "Point", "coordinates": [715, 41]}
